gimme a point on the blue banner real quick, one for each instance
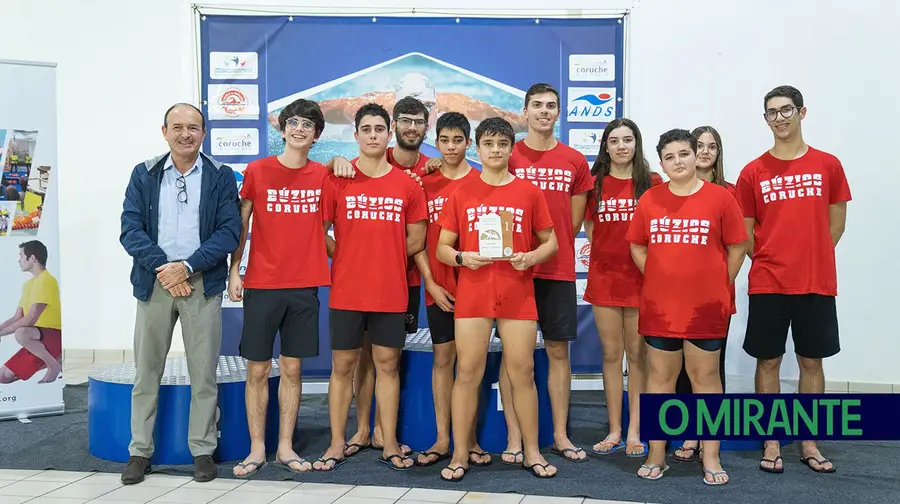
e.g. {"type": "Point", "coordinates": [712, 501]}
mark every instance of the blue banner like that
{"type": "Point", "coordinates": [252, 67]}
{"type": "Point", "coordinates": [757, 417]}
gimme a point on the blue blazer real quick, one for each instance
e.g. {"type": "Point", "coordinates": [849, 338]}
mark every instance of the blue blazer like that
{"type": "Point", "coordinates": [220, 225]}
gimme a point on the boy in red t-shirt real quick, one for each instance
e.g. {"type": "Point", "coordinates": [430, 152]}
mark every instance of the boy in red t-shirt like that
{"type": "Point", "coordinates": [794, 198]}
{"type": "Point", "coordinates": [410, 120]}
{"type": "Point", "coordinates": [379, 219]}
{"type": "Point", "coordinates": [453, 139]}
{"type": "Point", "coordinates": [489, 227]}
{"type": "Point", "coordinates": [686, 232]}
{"type": "Point", "coordinates": [282, 195]}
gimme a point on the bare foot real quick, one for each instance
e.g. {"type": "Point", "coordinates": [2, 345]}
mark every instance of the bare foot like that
{"type": "Point", "coordinates": [812, 457]}
{"type": "Point", "coordinates": [513, 454]}
{"type": "Point", "coordinates": [772, 461]}
{"type": "Point", "coordinates": [333, 456]}
{"type": "Point", "coordinates": [52, 374]}
{"type": "Point", "coordinates": [293, 461]}
{"type": "Point", "coordinates": [611, 444]}
{"type": "Point", "coordinates": [568, 450]}
{"type": "Point", "coordinates": [378, 445]}
{"type": "Point", "coordinates": [251, 464]}
{"type": "Point", "coordinates": [434, 454]}
{"type": "Point", "coordinates": [397, 459]}
{"type": "Point", "coordinates": [687, 452]}
{"type": "Point", "coordinates": [539, 465]}
{"type": "Point", "coordinates": [455, 471]}
{"type": "Point", "coordinates": [357, 443]}
{"type": "Point", "coordinates": [713, 472]}
{"type": "Point", "coordinates": [479, 457]}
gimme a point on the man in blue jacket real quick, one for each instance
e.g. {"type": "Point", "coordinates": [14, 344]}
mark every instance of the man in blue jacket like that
{"type": "Point", "coordinates": [180, 221]}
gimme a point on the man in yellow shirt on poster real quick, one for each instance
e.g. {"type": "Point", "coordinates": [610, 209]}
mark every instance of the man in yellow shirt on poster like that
{"type": "Point", "coordinates": [37, 323]}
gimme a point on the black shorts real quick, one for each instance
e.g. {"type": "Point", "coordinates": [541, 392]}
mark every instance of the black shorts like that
{"type": "Point", "coordinates": [292, 313]}
{"type": "Point", "coordinates": [347, 328]}
{"type": "Point", "coordinates": [440, 324]}
{"type": "Point", "coordinates": [557, 308]}
{"type": "Point", "coordinates": [675, 344]}
{"type": "Point", "coordinates": [412, 310]}
{"type": "Point", "coordinates": [812, 319]}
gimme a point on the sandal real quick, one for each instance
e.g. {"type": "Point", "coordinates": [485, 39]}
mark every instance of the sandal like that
{"type": "Point", "coordinates": [774, 469]}
{"type": "Point", "coordinates": [562, 453]}
{"type": "Point", "coordinates": [454, 469]}
{"type": "Point", "coordinates": [480, 454]}
{"type": "Point", "coordinates": [337, 463]}
{"type": "Point", "coordinates": [615, 447]}
{"type": "Point", "coordinates": [359, 447]}
{"type": "Point", "coordinates": [714, 474]}
{"type": "Point", "coordinates": [389, 462]}
{"type": "Point", "coordinates": [536, 474]}
{"type": "Point", "coordinates": [694, 454]}
{"type": "Point", "coordinates": [651, 467]}
{"type": "Point", "coordinates": [821, 462]}
{"type": "Point", "coordinates": [242, 465]}
{"type": "Point", "coordinates": [515, 455]}
{"type": "Point", "coordinates": [405, 450]}
{"type": "Point", "coordinates": [286, 465]}
{"type": "Point", "coordinates": [440, 457]}
{"type": "Point", "coordinates": [642, 453]}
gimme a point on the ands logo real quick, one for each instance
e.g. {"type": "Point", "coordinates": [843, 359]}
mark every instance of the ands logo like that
{"type": "Point", "coordinates": [591, 104]}
{"type": "Point", "coordinates": [584, 255]}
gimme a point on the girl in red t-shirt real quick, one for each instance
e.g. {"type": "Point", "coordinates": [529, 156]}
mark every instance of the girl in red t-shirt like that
{"type": "Point", "coordinates": [496, 215]}
{"type": "Point", "coordinates": [688, 239]}
{"type": "Point", "coordinates": [711, 168]}
{"type": "Point", "coordinates": [621, 176]}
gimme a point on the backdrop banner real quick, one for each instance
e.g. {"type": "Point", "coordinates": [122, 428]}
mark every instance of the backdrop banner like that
{"type": "Point", "coordinates": [252, 67]}
{"type": "Point", "coordinates": [31, 382]}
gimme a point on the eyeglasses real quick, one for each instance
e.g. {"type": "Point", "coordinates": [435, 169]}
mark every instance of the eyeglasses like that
{"type": "Point", "coordinates": [181, 184]}
{"type": "Point", "coordinates": [406, 122]}
{"type": "Point", "coordinates": [786, 112]}
{"type": "Point", "coordinates": [303, 125]}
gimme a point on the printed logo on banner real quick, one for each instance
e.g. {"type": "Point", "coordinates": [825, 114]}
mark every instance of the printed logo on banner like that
{"type": "Point", "coordinates": [592, 67]}
{"type": "Point", "coordinates": [580, 287]}
{"type": "Point", "coordinates": [591, 104]}
{"type": "Point", "coordinates": [233, 101]}
{"type": "Point", "coordinates": [582, 255]}
{"type": "Point", "coordinates": [238, 173]}
{"type": "Point", "coordinates": [233, 65]}
{"type": "Point", "coordinates": [585, 141]}
{"type": "Point", "coordinates": [234, 141]}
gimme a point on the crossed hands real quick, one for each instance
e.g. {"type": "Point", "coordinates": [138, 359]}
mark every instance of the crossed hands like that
{"type": "Point", "coordinates": [173, 277]}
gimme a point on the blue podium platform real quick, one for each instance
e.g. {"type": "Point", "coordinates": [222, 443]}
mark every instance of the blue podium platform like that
{"type": "Point", "coordinates": [109, 412]}
{"type": "Point", "coordinates": [416, 419]}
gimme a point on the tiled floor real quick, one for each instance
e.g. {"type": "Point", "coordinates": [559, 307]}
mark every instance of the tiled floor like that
{"type": "Point", "coordinates": [58, 487]}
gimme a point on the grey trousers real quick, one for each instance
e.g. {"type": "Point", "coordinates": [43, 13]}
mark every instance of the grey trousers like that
{"type": "Point", "coordinates": [201, 325]}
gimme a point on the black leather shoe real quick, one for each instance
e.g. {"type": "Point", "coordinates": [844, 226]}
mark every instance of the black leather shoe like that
{"type": "Point", "coordinates": [135, 471]}
{"type": "Point", "coordinates": [204, 468]}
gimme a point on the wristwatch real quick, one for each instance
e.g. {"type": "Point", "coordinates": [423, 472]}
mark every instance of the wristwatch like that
{"type": "Point", "coordinates": [459, 258]}
{"type": "Point", "coordinates": [187, 266]}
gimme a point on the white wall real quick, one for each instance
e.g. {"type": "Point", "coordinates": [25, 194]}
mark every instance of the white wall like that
{"type": "Point", "coordinates": [690, 62]}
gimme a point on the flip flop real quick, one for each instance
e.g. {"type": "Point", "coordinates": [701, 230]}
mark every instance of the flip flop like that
{"type": "Point", "coordinates": [515, 455]}
{"type": "Point", "coordinates": [562, 453]}
{"type": "Point", "coordinates": [337, 463]}
{"type": "Point", "coordinates": [535, 473]}
{"type": "Point", "coordinates": [714, 474]}
{"type": "Point", "coordinates": [389, 462]}
{"type": "Point", "coordinates": [774, 469]}
{"type": "Point", "coordinates": [651, 467]}
{"type": "Point", "coordinates": [405, 450]}
{"type": "Point", "coordinates": [359, 448]}
{"type": "Point", "coordinates": [454, 469]}
{"type": "Point", "coordinates": [258, 465]}
{"type": "Point", "coordinates": [820, 462]}
{"type": "Point", "coordinates": [614, 449]}
{"type": "Point", "coordinates": [480, 454]}
{"type": "Point", "coordinates": [440, 457]}
{"type": "Point", "coordinates": [694, 454]}
{"type": "Point", "coordinates": [642, 453]}
{"type": "Point", "coordinates": [285, 465]}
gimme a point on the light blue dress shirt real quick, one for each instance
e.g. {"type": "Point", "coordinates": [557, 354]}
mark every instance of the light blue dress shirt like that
{"type": "Point", "coordinates": [179, 220]}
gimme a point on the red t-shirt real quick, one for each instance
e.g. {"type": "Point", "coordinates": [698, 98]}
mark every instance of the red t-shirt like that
{"type": "Point", "coordinates": [613, 278]}
{"type": "Point", "coordinates": [732, 189]}
{"type": "Point", "coordinates": [370, 215]}
{"type": "Point", "coordinates": [560, 173]}
{"type": "Point", "coordinates": [413, 277]}
{"type": "Point", "coordinates": [438, 189]}
{"type": "Point", "coordinates": [793, 252]}
{"type": "Point", "coordinates": [686, 292]}
{"type": "Point", "coordinates": [287, 246]}
{"type": "Point", "coordinates": [496, 290]}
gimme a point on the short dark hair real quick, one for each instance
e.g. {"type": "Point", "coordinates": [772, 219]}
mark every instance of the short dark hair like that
{"type": "Point", "coordinates": [675, 135]}
{"type": "Point", "coordinates": [540, 88]}
{"type": "Point", "coordinates": [494, 126]}
{"type": "Point", "coordinates": [170, 109]}
{"type": "Point", "coordinates": [35, 248]}
{"type": "Point", "coordinates": [307, 109]}
{"type": "Point", "coordinates": [454, 120]}
{"type": "Point", "coordinates": [411, 106]}
{"type": "Point", "coordinates": [372, 109]}
{"type": "Point", "coordinates": [789, 92]}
